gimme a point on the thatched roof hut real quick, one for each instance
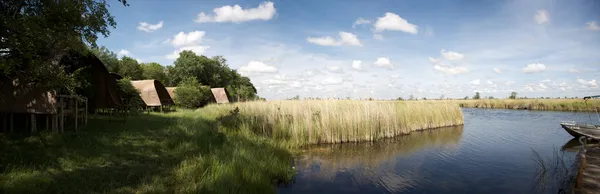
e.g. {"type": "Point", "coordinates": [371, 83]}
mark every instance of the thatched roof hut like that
{"type": "Point", "coordinates": [220, 95]}
{"type": "Point", "coordinates": [171, 91]}
{"type": "Point", "coordinates": [153, 92]}
{"type": "Point", "coordinates": [16, 97]}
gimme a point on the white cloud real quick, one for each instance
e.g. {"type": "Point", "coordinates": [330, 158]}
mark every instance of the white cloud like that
{"type": "Point", "coordinates": [509, 83]}
{"type": "Point", "coordinates": [296, 84]}
{"type": "Point", "coordinates": [593, 26]}
{"type": "Point", "coordinates": [123, 52]}
{"type": "Point", "coordinates": [346, 38]}
{"type": "Point", "coordinates": [257, 67]}
{"type": "Point", "coordinates": [264, 11]}
{"type": "Point", "coordinates": [447, 69]}
{"type": "Point", "coordinates": [199, 50]}
{"type": "Point", "coordinates": [274, 82]}
{"type": "Point", "coordinates": [378, 36]}
{"type": "Point", "coordinates": [586, 83]}
{"type": "Point", "coordinates": [146, 27]}
{"type": "Point", "coordinates": [189, 39]}
{"type": "Point", "coordinates": [475, 82]}
{"type": "Point", "coordinates": [333, 81]}
{"type": "Point", "coordinates": [311, 73]}
{"type": "Point", "coordinates": [542, 17]}
{"type": "Point", "coordinates": [360, 21]}
{"type": "Point", "coordinates": [357, 65]}
{"type": "Point", "coordinates": [393, 22]}
{"type": "Point", "coordinates": [534, 68]}
{"type": "Point", "coordinates": [334, 69]}
{"type": "Point", "coordinates": [497, 70]}
{"type": "Point", "coordinates": [451, 55]}
{"type": "Point", "coordinates": [384, 62]}
{"type": "Point", "coordinates": [573, 70]}
{"type": "Point", "coordinates": [434, 60]}
{"type": "Point", "coordinates": [543, 86]}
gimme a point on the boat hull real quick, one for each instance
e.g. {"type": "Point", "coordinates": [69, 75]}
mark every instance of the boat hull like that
{"type": "Point", "coordinates": [578, 130]}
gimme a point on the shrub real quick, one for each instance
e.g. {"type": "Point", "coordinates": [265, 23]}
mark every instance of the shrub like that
{"type": "Point", "coordinates": [130, 96]}
{"type": "Point", "coordinates": [190, 94]}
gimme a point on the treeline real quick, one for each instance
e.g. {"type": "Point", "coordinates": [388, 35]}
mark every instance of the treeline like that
{"type": "Point", "coordinates": [193, 75]}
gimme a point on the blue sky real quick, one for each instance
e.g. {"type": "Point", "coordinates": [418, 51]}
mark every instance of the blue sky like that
{"type": "Point", "coordinates": [380, 49]}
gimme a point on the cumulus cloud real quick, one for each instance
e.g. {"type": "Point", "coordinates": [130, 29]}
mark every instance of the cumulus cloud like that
{"type": "Point", "coordinates": [534, 68]}
{"type": "Point", "coordinates": [542, 17]}
{"type": "Point", "coordinates": [191, 38]}
{"type": "Point", "coordinates": [357, 65]}
{"type": "Point", "coordinates": [334, 69]}
{"type": "Point", "coordinates": [123, 52]}
{"type": "Point", "coordinates": [448, 69]}
{"type": "Point", "coordinates": [199, 50]}
{"type": "Point", "coordinates": [573, 70]}
{"type": "Point", "coordinates": [345, 38]}
{"type": "Point", "coordinates": [311, 73]}
{"type": "Point", "coordinates": [383, 62]}
{"type": "Point", "coordinates": [434, 60]}
{"type": "Point", "coordinates": [475, 82]}
{"type": "Point", "coordinates": [509, 83]}
{"type": "Point", "coordinates": [497, 70]}
{"type": "Point", "coordinates": [593, 26]}
{"type": "Point", "coordinates": [264, 11]}
{"type": "Point", "coordinates": [333, 81]}
{"type": "Point", "coordinates": [360, 21]}
{"type": "Point", "coordinates": [393, 22]}
{"type": "Point", "coordinates": [378, 36]}
{"type": "Point", "coordinates": [451, 55]}
{"type": "Point", "coordinates": [586, 83]}
{"type": "Point", "coordinates": [257, 67]}
{"type": "Point", "coordinates": [146, 27]}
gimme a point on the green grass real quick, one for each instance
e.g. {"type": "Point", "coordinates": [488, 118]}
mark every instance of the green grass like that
{"type": "Point", "coordinates": [235, 148]}
{"type": "Point", "coordinates": [178, 152]}
{"type": "Point", "coordinates": [533, 104]}
{"type": "Point", "coordinates": [305, 122]}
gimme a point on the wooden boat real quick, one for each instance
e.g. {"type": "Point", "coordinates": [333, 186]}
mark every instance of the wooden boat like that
{"type": "Point", "coordinates": [578, 130]}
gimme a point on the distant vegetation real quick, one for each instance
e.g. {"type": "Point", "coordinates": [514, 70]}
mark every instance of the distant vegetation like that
{"type": "Point", "coordinates": [334, 121]}
{"type": "Point", "coordinates": [533, 104]}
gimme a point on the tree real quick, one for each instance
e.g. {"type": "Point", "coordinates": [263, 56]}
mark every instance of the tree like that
{"type": "Point", "coordinates": [35, 34]}
{"type": "Point", "coordinates": [190, 94]}
{"type": "Point", "coordinates": [129, 67]}
{"type": "Point", "coordinates": [154, 71]}
{"type": "Point", "coordinates": [466, 97]}
{"type": "Point", "coordinates": [513, 95]}
{"type": "Point", "coordinates": [400, 99]}
{"type": "Point", "coordinates": [109, 58]}
{"type": "Point", "coordinates": [477, 96]}
{"type": "Point", "coordinates": [411, 97]}
{"type": "Point", "coordinates": [130, 95]}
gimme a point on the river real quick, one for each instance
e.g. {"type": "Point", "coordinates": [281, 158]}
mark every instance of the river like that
{"type": "Point", "coordinates": [492, 153]}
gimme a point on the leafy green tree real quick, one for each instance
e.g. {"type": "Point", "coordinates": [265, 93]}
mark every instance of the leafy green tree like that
{"type": "Point", "coordinates": [130, 96]}
{"type": "Point", "coordinates": [154, 71]}
{"type": "Point", "coordinates": [466, 98]}
{"type": "Point", "coordinates": [513, 95]}
{"type": "Point", "coordinates": [477, 96]}
{"type": "Point", "coordinates": [34, 34]}
{"type": "Point", "coordinates": [109, 58]}
{"type": "Point", "coordinates": [129, 67]}
{"type": "Point", "coordinates": [190, 94]}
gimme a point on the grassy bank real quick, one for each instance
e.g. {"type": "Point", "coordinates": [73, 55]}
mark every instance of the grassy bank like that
{"type": "Point", "coordinates": [185, 152]}
{"type": "Point", "coordinates": [533, 104]}
{"type": "Point", "coordinates": [332, 121]}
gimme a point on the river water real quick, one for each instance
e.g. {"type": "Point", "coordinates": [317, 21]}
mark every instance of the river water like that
{"type": "Point", "coordinates": [492, 153]}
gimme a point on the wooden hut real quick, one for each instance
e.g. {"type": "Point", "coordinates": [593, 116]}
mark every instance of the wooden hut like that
{"type": "Point", "coordinates": [171, 91]}
{"type": "Point", "coordinates": [220, 95]}
{"type": "Point", "coordinates": [154, 94]}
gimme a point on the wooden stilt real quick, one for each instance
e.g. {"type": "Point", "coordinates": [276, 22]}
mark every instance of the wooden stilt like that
{"type": "Point", "coordinates": [11, 123]}
{"type": "Point", "coordinates": [76, 108]}
{"type": "Point", "coordinates": [62, 115]}
{"type": "Point", "coordinates": [33, 122]}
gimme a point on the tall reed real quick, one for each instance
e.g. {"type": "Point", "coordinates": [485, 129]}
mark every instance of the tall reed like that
{"type": "Point", "coordinates": [335, 121]}
{"type": "Point", "coordinates": [533, 104]}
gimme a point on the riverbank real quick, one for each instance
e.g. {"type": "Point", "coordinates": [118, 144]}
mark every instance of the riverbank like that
{"type": "Point", "coordinates": [233, 148]}
{"type": "Point", "coordinates": [533, 104]}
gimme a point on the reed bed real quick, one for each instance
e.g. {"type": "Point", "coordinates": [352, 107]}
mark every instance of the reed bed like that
{"type": "Point", "coordinates": [533, 104]}
{"type": "Point", "coordinates": [335, 121]}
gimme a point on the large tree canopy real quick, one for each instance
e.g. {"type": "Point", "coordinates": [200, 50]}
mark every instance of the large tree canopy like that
{"type": "Point", "coordinates": [154, 71]}
{"type": "Point", "coordinates": [35, 34]}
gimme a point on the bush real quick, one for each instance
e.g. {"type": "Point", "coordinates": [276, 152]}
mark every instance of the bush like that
{"type": "Point", "coordinates": [130, 96]}
{"type": "Point", "coordinates": [190, 94]}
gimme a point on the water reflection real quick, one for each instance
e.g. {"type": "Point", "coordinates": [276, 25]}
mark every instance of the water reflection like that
{"type": "Point", "coordinates": [375, 164]}
{"type": "Point", "coordinates": [573, 145]}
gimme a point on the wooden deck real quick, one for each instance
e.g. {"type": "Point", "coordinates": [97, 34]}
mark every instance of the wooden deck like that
{"type": "Point", "coordinates": [588, 175]}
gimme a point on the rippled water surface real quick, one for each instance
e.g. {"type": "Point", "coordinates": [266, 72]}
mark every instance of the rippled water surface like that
{"type": "Point", "coordinates": [492, 153]}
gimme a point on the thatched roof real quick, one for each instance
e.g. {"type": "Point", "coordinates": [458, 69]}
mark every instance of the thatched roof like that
{"type": "Point", "coordinates": [171, 91]}
{"type": "Point", "coordinates": [27, 98]}
{"type": "Point", "coordinates": [220, 95]}
{"type": "Point", "coordinates": [153, 92]}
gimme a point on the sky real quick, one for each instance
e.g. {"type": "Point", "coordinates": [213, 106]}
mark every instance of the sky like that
{"type": "Point", "coordinates": [380, 49]}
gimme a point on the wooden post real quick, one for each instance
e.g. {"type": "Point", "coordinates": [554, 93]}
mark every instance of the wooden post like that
{"type": "Point", "coordinates": [33, 122]}
{"type": "Point", "coordinates": [62, 115]}
{"type": "Point", "coordinates": [76, 109]}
